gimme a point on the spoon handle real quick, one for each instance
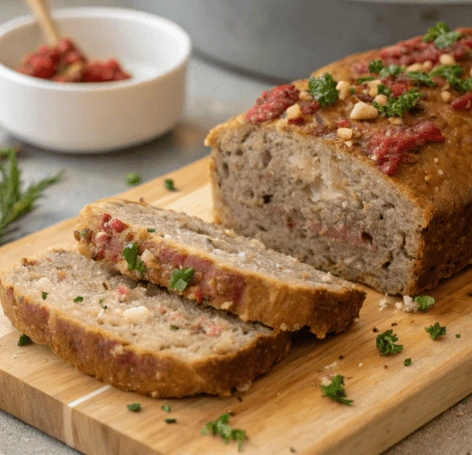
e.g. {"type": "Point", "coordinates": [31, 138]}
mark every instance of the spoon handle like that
{"type": "Point", "coordinates": [41, 12]}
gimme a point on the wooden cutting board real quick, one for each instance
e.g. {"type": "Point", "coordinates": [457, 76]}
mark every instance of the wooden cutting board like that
{"type": "Point", "coordinates": [284, 411]}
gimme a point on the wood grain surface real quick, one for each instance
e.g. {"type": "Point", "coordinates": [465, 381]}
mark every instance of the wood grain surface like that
{"type": "Point", "coordinates": [283, 411]}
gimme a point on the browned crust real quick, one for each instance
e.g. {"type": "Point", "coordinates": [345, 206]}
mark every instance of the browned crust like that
{"type": "Point", "coordinates": [156, 374]}
{"type": "Point", "coordinates": [254, 297]}
{"type": "Point", "coordinates": [445, 200]}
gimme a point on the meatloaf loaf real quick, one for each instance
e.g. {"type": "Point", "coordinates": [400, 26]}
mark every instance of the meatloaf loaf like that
{"type": "Point", "coordinates": [364, 169]}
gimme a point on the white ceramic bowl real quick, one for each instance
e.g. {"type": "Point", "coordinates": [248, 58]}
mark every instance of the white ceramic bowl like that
{"type": "Point", "coordinates": [96, 117]}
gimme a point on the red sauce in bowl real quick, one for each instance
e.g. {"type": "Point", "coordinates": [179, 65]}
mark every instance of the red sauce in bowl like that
{"type": "Point", "coordinates": [66, 63]}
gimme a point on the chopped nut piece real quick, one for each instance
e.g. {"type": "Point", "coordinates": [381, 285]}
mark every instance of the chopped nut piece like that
{"type": "Point", "coordinates": [349, 143]}
{"type": "Point", "coordinates": [305, 96]}
{"type": "Point", "coordinates": [344, 89]}
{"type": "Point", "coordinates": [428, 65]}
{"type": "Point", "coordinates": [446, 96]}
{"type": "Point", "coordinates": [414, 67]}
{"type": "Point", "coordinates": [344, 133]}
{"type": "Point", "coordinates": [446, 59]}
{"type": "Point", "coordinates": [364, 111]}
{"type": "Point", "coordinates": [381, 99]}
{"type": "Point", "coordinates": [294, 111]}
{"type": "Point", "coordinates": [395, 121]}
{"type": "Point", "coordinates": [373, 90]}
{"type": "Point", "coordinates": [427, 178]}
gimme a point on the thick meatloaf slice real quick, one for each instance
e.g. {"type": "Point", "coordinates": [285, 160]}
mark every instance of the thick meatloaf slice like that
{"type": "Point", "coordinates": [229, 272]}
{"type": "Point", "coordinates": [135, 336]}
{"type": "Point", "coordinates": [370, 194]}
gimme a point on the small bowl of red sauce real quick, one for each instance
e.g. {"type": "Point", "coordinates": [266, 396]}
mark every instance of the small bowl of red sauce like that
{"type": "Point", "coordinates": [119, 82]}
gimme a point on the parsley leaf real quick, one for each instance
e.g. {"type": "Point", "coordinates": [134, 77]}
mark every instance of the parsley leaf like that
{"type": "Point", "coordinates": [435, 331]}
{"type": "Point", "coordinates": [133, 178]}
{"type": "Point", "coordinates": [169, 184]}
{"type": "Point", "coordinates": [442, 35]}
{"type": "Point", "coordinates": [424, 302]}
{"type": "Point", "coordinates": [151, 230]}
{"type": "Point", "coordinates": [165, 408]}
{"type": "Point", "coordinates": [385, 343]}
{"type": "Point", "coordinates": [421, 77]}
{"type": "Point", "coordinates": [173, 327]}
{"type": "Point", "coordinates": [390, 70]}
{"type": "Point", "coordinates": [101, 304]}
{"type": "Point", "coordinates": [458, 335]}
{"type": "Point", "coordinates": [134, 407]}
{"type": "Point", "coordinates": [130, 253]}
{"type": "Point", "coordinates": [375, 66]}
{"type": "Point", "coordinates": [382, 89]}
{"type": "Point", "coordinates": [323, 89]}
{"type": "Point", "coordinates": [24, 340]}
{"type": "Point", "coordinates": [452, 74]}
{"type": "Point", "coordinates": [223, 429]}
{"type": "Point", "coordinates": [336, 391]}
{"type": "Point", "coordinates": [44, 295]}
{"type": "Point", "coordinates": [170, 420]}
{"type": "Point", "coordinates": [363, 79]}
{"type": "Point", "coordinates": [407, 362]}
{"type": "Point", "coordinates": [181, 278]}
{"type": "Point", "coordinates": [141, 267]}
{"type": "Point", "coordinates": [397, 106]}
{"type": "Point", "coordinates": [79, 298]}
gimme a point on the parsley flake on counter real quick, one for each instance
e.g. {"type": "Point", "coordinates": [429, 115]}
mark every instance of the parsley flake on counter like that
{"type": "Point", "coordinates": [336, 391]}
{"type": "Point", "coordinates": [14, 202]}
{"type": "Point", "coordinates": [79, 298]}
{"type": "Point", "coordinates": [421, 77]}
{"type": "Point", "coordinates": [133, 178]}
{"type": "Point", "coordinates": [170, 420]}
{"type": "Point", "coordinates": [181, 278]}
{"type": "Point", "coordinates": [397, 106]}
{"type": "Point", "coordinates": [442, 35]}
{"type": "Point", "coordinates": [44, 295]}
{"type": "Point", "coordinates": [223, 429]}
{"type": "Point", "coordinates": [375, 66]}
{"type": "Point", "coordinates": [151, 230]}
{"type": "Point", "coordinates": [174, 327]}
{"type": "Point", "coordinates": [24, 340]}
{"type": "Point", "coordinates": [165, 408]}
{"type": "Point", "coordinates": [101, 304]}
{"type": "Point", "coordinates": [169, 184]}
{"type": "Point", "coordinates": [458, 335]}
{"type": "Point", "coordinates": [407, 362]}
{"type": "Point", "coordinates": [435, 331]}
{"type": "Point", "coordinates": [323, 89]}
{"type": "Point", "coordinates": [385, 343]}
{"type": "Point", "coordinates": [134, 407]}
{"type": "Point", "coordinates": [424, 302]}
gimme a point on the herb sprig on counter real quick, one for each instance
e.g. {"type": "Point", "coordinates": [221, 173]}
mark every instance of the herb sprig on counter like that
{"type": "Point", "coordinates": [435, 331]}
{"type": "Point", "coordinates": [222, 428]}
{"type": "Point", "coordinates": [14, 202]}
{"type": "Point", "coordinates": [442, 35]}
{"type": "Point", "coordinates": [424, 302]}
{"type": "Point", "coordinates": [385, 343]}
{"type": "Point", "coordinates": [24, 340]}
{"type": "Point", "coordinates": [336, 391]}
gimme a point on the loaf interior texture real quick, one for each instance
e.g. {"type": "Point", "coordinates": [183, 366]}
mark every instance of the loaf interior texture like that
{"type": "Point", "coordinates": [382, 199]}
{"type": "Point", "coordinates": [133, 335]}
{"type": "Point", "coordinates": [231, 272]}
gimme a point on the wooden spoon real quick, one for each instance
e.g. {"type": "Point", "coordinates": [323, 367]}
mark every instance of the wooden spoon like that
{"type": "Point", "coordinates": [41, 11]}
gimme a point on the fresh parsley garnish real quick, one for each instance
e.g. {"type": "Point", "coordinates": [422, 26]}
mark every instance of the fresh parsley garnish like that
{"type": "Point", "coordinates": [363, 79]}
{"type": "Point", "coordinates": [397, 106]}
{"type": "Point", "coordinates": [407, 362]}
{"type": "Point", "coordinates": [101, 304]}
{"type": "Point", "coordinates": [382, 89]}
{"type": "Point", "coordinates": [181, 278]}
{"type": "Point", "coordinates": [442, 35]}
{"type": "Point", "coordinates": [133, 178]}
{"type": "Point", "coordinates": [141, 267]}
{"type": "Point", "coordinates": [375, 66]}
{"type": "Point", "coordinates": [435, 331]}
{"type": "Point", "coordinates": [173, 327]}
{"type": "Point", "coordinates": [421, 77]}
{"type": "Point", "coordinates": [223, 429]}
{"type": "Point", "coordinates": [424, 302]}
{"type": "Point", "coordinates": [44, 295]}
{"type": "Point", "coordinates": [385, 343]}
{"type": "Point", "coordinates": [24, 340]}
{"type": "Point", "coordinates": [170, 420]}
{"type": "Point", "coordinates": [323, 89]}
{"type": "Point", "coordinates": [79, 298]}
{"type": "Point", "coordinates": [390, 70]}
{"type": "Point", "coordinates": [452, 74]}
{"type": "Point", "coordinates": [169, 184]}
{"type": "Point", "coordinates": [336, 391]}
{"type": "Point", "coordinates": [134, 407]}
{"type": "Point", "coordinates": [14, 202]}
{"type": "Point", "coordinates": [458, 335]}
{"type": "Point", "coordinates": [151, 230]}
{"type": "Point", "coordinates": [165, 408]}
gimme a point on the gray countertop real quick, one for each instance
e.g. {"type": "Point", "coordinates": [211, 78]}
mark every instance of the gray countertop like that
{"type": "Point", "coordinates": [213, 96]}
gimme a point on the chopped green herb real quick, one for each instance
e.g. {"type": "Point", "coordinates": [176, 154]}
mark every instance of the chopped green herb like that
{"type": "Point", "coordinates": [424, 302]}
{"type": "Point", "coordinates": [363, 79]}
{"type": "Point", "coordinates": [407, 362]}
{"type": "Point", "coordinates": [352, 90]}
{"type": "Point", "coordinates": [375, 66]}
{"type": "Point", "coordinates": [223, 429]}
{"type": "Point", "coordinates": [84, 232]}
{"type": "Point", "coordinates": [421, 77]}
{"type": "Point", "coordinates": [382, 89]}
{"type": "Point", "coordinates": [44, 295]}
{"type": "Point", "coordinates": [165, 408]}
{"type": "Point", "coordinates": [397, 106]}
{"type": "Point", "coordinates": [133, 178]}
{"type": "Point", "coordinates": [435, 331]}
{"type": "Point", "coordinates": [169, 184]}
{"type": "Point", "coordinates": [385, 343]}
{"type": "Point", "coordinates": [336, 391]}
{"type": "Point", "coordinates": [130, 253]}
{"type": "Point", "coordinates": [14, 202]}
{"type": "Point", "coordinates": [151, 230]}
{"type": "Point", "coordinates": [79, 298]}
{"type": "Point", "coordinates": [442, 35]}
{"type": "Point", "coordinates": [390, 70]}
{"type": "Point", "coordinates": [323, 89]}
{"type": "Point", "coordinates": [134, 407]}
{"type": "Point", "coordinates": [181, 278]}
{"type": "Point", "coordinates": [170, 420]}
{"type": "Point", "coordinates": [24, 340]}
{"type": "Point", "coordinates": [141, 267]}
{"type": "Point", "coordinates": [174, 327]}
{"type": "Point", "coordinates": [458, 335]}
{"type": "Point", "coordinates": [208, 240]}
{"type": "Point", "coordinates": [101, 304]}
{"type": "Point", "coordinates": [452, 74]}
